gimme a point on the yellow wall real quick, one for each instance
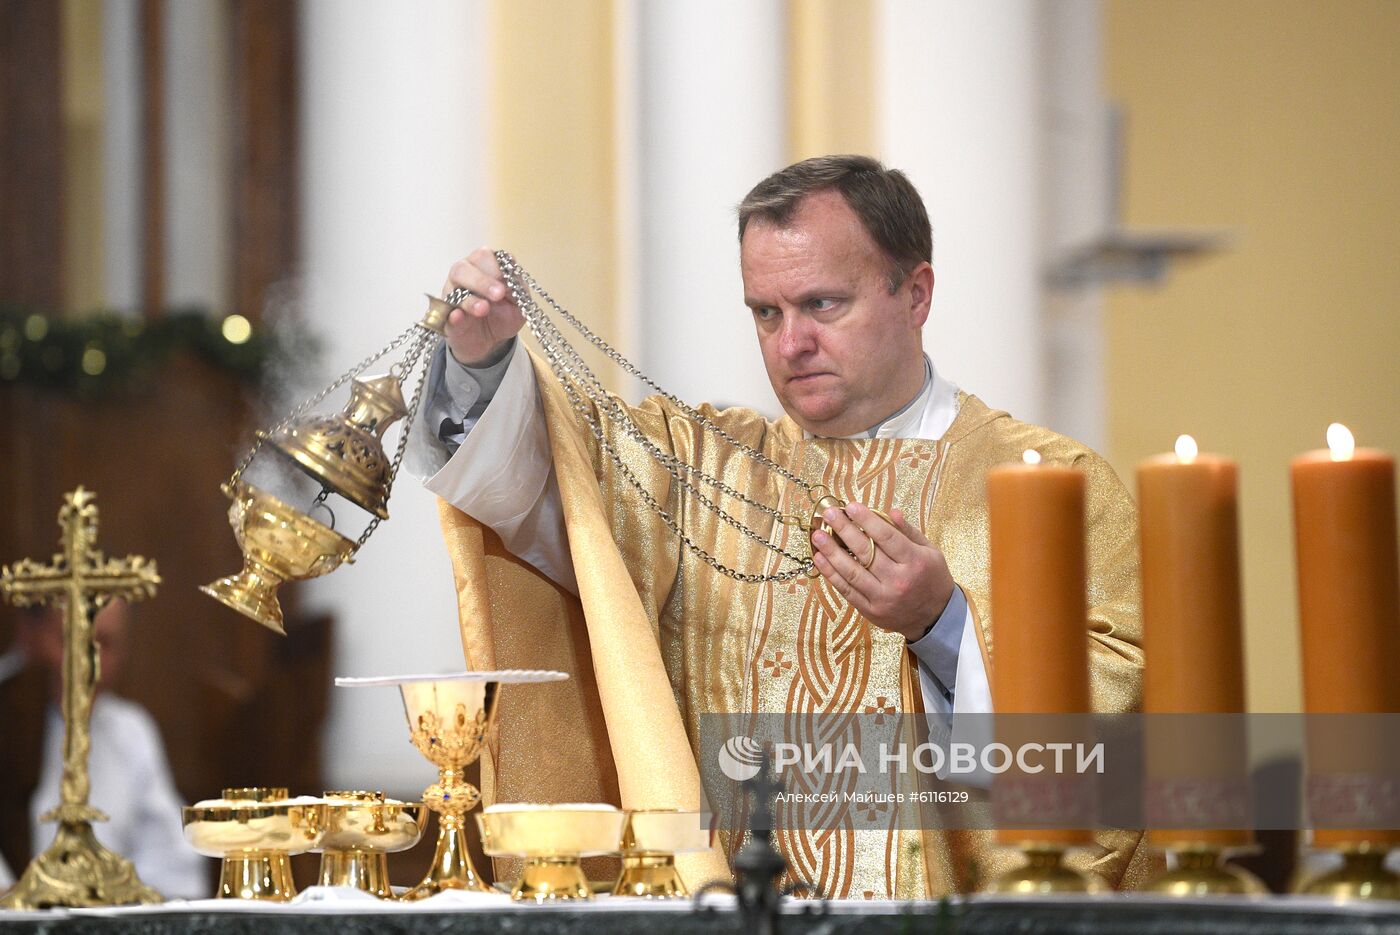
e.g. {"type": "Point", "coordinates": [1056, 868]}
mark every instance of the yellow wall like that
{"type": "Point", "coordinates": [1277, 119]}
{"type": "Point", "coordinates": [553, 155]}
{"type": "Point", "coordinates": [830, 77]}
{"type": "Point", "coordinates": [82, 155]}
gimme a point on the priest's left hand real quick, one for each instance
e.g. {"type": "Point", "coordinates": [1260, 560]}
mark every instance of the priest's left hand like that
{"type": "Point", "coordinates": [906, 587]}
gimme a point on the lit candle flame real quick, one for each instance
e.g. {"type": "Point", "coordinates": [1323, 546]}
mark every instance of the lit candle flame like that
{"type": "Point", "coordinates": [1186, 448]}
{"type": "Point", "coordinates": [1341, 441]}
{"type": "Point", "coordinates": [1031, 456]}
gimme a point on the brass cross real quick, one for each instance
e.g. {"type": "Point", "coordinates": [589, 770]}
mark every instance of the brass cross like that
{"type": "Point", "coordinates": [76, 870]}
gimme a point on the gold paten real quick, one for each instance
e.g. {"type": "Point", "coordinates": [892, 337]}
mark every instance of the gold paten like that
{"type": "Point", "coordinates": [552, 839]}
{"type": "Point", "coordinates": [361, 829]}
{"type": "Point", "coordinates": [344, 452]}
{"type": "Point", "coordinates": [254, 830]}
{"type": "Point", "coordinates": [651, 839]}
{"type": "Point", "coordinates": [1043, 873]}
{"type": "Point", "coordinates": [1199, 871]}
{"type": "Point", "coordinates": [76, 870]}
{"type": "Point", "coordinates": [448, 722]}
{"type": "Point", "coordinates": [1362, 875]}
{"type": "Point", "coordinates": [279, 544]}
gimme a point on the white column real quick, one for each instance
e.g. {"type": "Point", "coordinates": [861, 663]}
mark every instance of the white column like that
{"type": "Point", "coordinates": [196, 154]}
{"type": "Point", "coordinates": [394, 190]}
{"type": "Point", "coordinates": [1078, 187]}
{"type": "Point", "coordinates": [121, 155]}
{"type": "Point", "coordinates": [711, 125]}
{"type": "Point", "coordinates": [960, 114]}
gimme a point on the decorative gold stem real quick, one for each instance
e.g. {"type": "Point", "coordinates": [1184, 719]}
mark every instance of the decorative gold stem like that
{"type": "Point", "coordinates": [451, 797]}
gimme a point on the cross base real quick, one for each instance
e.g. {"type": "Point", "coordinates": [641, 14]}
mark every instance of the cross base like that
{"type": "Point", "coordinates": [77, 871]}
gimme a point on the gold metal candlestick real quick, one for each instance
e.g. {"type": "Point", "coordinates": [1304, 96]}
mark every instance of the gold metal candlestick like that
{"type": "Point", "coordinates": [76, 870]}
{"type": "Point", "coordinates": [1200, 871]}
{"type": "Point", "coordinates": [1362, 875]}
{"type": "Point", "coordinates": [1044, 873]}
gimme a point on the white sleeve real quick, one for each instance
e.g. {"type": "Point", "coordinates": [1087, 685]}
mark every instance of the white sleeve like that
{"type": "Point", "coordinates": [973, 697]}
{"type": "Point", "coordinates": [503, 474]}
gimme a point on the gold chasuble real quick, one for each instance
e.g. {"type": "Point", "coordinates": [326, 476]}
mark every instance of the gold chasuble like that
{"type": "Point", "coordinates": [657, 638]}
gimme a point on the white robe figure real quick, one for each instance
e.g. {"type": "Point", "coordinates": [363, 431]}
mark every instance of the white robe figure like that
{"type": "Point", "coordinates": [131, 784]}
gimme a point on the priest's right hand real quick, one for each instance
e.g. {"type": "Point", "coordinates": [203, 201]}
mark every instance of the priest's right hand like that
{"type": "Point", "coordinates": [480, 325]}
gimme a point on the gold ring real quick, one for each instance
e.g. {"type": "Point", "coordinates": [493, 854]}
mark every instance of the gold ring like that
{"type": "Point", "coordinates": [870, 559]}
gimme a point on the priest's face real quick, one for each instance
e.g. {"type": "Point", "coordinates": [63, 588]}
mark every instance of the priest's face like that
{"type": "Point", "coordinates": [843, 350]}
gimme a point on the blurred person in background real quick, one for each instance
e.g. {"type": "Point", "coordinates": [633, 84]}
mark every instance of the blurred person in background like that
{"type": "Point", "coordinates": [131, 780]}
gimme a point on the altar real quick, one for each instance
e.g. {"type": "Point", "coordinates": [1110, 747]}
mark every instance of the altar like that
{"type": "Point", "coordinates": [319, 911]}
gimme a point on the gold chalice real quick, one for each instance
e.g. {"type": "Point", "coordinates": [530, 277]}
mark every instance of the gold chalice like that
{"type": "Point", "coordinates": [279, 543]}
{"type": "Point", "coordinates": [651, 839]}
{"type": "Point", "coordinates": [449, 717]}
{"type": "Point", "coordinates": [552, 839]}
{"type": "Point", "coordinates": [254, 830]}
{"type": "Point", "coordinates": [361, 830]}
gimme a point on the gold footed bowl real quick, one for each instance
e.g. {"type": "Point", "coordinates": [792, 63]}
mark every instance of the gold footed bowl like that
{"type": "Point", "coordinates": [1199, 871]}
{"type": "Point", "coordinates": [255, 831]}
{"type": "Point", "coordinates": [1362, 875]}
{"type": "Point", "coordinates": [552, 839]}
{"type": "Point", "coordinates": [651, 839]}
{"type": "Point", "coordinates": [361, 830]}
{"type": "Point", "coordinates": [1044, 873]}
{"type": "Point", "coordinates": [279, 544]}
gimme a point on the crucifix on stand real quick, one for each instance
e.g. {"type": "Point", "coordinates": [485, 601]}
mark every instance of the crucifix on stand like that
{"type": "Point", "coordinates": [77, 870]}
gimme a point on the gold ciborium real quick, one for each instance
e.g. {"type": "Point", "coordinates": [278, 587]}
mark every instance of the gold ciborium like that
{"type": "Point", "coordinates": [552, 839]}
{"type": "Point", "coordinates": [344, 453]}
{"type": "Point", "coordinates": [254, 830]}
{"type": "Point", "coordinates": [361, 830]}
{"type": "Point", "coordinates": [651, 839]}
{"type": "Point", "coordinates": [279, 544]}
{"type": "Point", "coordinates": [449, 717]}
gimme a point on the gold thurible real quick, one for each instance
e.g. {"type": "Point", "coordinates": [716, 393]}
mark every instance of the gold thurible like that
{"type": "Point", "coordinates": [344, 453]}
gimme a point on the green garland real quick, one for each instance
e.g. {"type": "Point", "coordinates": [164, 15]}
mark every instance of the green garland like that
{"type": "Point", "coordinates": [105, 352]}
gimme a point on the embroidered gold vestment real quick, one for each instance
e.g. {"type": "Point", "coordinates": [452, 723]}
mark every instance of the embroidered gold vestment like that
{"type": "Point", "coordinates": [656, 638]}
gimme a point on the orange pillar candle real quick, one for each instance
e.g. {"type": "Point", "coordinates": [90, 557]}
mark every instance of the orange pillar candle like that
{"type": "Point", "coordinates": [1190, 583]}
{"type": "Point", "coordinates": [1040, 656]}
{"type": "Point", "coordinates": [1192, 640]}
{"type": "Point", "coordinates": [1348, 577]}
{"type": "Point", "coordinates": [1039, 612]}
{"type": "Point", "coordinates": [1349, 609]}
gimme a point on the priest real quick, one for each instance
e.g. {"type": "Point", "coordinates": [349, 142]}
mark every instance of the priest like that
{"type": "Point", "coordinates": [560, 562]}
